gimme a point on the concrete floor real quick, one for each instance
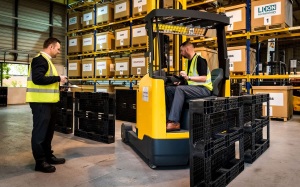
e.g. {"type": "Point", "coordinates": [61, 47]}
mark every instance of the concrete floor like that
{"type": "Point", "coordinates": [95, 164]}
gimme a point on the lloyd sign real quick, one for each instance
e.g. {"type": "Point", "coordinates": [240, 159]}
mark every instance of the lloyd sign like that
{"type": "Point", "coordinates": [272, 9]}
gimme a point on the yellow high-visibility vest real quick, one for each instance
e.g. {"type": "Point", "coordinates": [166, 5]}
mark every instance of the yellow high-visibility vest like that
{"type": "Point", "coordinates": [193, 72]}
{"type": "Point", "coordinates": [43, 93]}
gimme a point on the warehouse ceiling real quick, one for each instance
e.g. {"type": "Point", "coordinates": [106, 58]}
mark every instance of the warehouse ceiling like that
{"type": "Point", "coordinates": [296, 11]}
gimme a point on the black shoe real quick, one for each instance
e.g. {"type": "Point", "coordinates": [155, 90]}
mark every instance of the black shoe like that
{"type": "Point", "coordinates": [54, 160]}
{"type": "Point", "coordinates": [45, 167]}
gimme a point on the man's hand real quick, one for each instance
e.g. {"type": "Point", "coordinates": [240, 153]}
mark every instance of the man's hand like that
{"type": "Point", "coordinates": [184, 75]}
{"type": "Point", "coordinates": [63, 79]}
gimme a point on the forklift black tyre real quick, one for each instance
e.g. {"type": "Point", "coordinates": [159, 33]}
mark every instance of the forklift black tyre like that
{"type": "Point", "coordinates": [124, 132]}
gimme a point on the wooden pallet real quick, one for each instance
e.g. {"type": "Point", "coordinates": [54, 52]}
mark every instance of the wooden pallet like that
{"type": "Point", "coordinates": [104, 50]}
{"type": "Point", "coordinates": [87, 26]}
{"type": "Point", "coordinates": [140, 13]}
{"type": "Point", "coordinates": [74, 29]}
{"type": "Point", "coordinates": [269, 27]}
{"type": "Point", "coordinates": [121, 76]}
{"type": "Point", "coordinates": [103, 22]}
{"type": "Point", "coordinates": [243, 31]}
{"type": "Point", "coordinates": [74, 77]}
{"type": "Point", "coordinates": [285, 119]}
{"type": "Point", "coordinates": [87, 77]}
{"type": "Point", "coordinates": [238, 72]}
{"type": "Point", "coordinates": [74, 53]}
{"type": "Point", "coordinates": [123, 47]}
{"type": "Point", "coordinates": [87, 52]}
{"type": "Point", "coordinates": [138, 76]}
{"type": "Point", "coordinates": [122, 18]}
{"type": "Point", "coordinates": [140, 45]}
{"type": "Point", "coordinates": [103, 77]}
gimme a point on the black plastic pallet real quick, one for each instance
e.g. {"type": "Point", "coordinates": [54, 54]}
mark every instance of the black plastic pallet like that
{"type": "Point", "coordinates": [126, 105]}
{"type": "Point", "coordinates": [93, 136]}
{"type": "Point", "coordinates": [95, 102]}
{"type": "Point", "coordinates": [260, 148]}
{"type": "Point", "coordinates": [234, 102]}
{"type": "Point", "coordinates": [232, 169]}
{"type": "Point", "coordinates": [99, 123]}
{"type": "Point", "coordinates": [204, 126]}
{"type": "Point", "coordinates": [235, 118]}
{"type": "Point", "coordinates": [208, 105]}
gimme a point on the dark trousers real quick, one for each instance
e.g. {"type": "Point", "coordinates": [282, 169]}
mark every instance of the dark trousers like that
{"type": "Point", "coordinates": [176, 96]}
{"type": "Point", "coordinates": [44, 118]}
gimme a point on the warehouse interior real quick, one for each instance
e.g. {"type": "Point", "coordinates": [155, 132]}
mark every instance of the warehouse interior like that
{"type": "Point", "coordinates": [110, 51]}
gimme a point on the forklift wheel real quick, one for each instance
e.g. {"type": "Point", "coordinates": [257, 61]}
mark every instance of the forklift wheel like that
{"type": "Point", "coordinates": [124, 132]}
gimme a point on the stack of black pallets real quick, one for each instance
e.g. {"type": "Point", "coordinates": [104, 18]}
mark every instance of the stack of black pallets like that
{"type": "Point", "coordinates": [3, 96]}
{"type": "Point", "coordinates": [255, 125]}
{"type": "Point", "coordinates": [216, 140]}
{"type": "Point", "coordinates": [64, 118]}
{"type": "Point", "coordinates": [126, 105]}
{"type": "Point", "coordinates": [95, 116]}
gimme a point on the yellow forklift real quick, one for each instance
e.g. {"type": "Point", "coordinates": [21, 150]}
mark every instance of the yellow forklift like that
{"type": "Point", "coordinates": [149, 138]}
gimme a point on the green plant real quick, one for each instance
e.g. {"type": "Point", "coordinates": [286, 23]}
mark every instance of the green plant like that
{"type": "Point", "coordinates": [4, 68]}
{"type": "Point", "coordinates": [14, 83]}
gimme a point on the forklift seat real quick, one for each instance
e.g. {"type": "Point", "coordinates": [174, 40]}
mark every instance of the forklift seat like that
{"type": "Point", "coordinates": [217, 79]}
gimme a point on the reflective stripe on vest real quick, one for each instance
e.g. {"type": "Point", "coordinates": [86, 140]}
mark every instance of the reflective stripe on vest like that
{"type": "Point", "coordinates": [43, 93]}
{"type": "Point", "coordinates": [193, 72]}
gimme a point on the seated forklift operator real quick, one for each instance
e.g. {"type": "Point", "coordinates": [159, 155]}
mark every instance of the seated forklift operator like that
{"type": "Point", "coordinates": [199, 85]}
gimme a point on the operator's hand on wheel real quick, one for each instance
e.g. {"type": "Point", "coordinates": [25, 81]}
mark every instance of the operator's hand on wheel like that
{"type": "Point", "coordinates": [184, 75]}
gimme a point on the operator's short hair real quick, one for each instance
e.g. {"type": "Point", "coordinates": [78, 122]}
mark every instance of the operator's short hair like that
{"type": "Point", "coordinates": [50, 41]}
{"type": "Point", "coordinates": [187, 43]}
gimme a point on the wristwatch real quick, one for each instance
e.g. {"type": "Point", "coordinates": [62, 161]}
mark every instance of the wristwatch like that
{"type": "Point", "coordinates": [189, 78]}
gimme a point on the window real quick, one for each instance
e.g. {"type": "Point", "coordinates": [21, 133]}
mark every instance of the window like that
{"type": "Point", "coordinates": [17, 75]}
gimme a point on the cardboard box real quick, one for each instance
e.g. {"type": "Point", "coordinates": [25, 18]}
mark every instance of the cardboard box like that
{"type": "Point", "coordinates": [103, 66]}
{"type": "Point", "coordinates": [74, 68]}
{"type": "Point", "coordinates": [139, 7]}
{"type": "Point", "coordinates": [88, 17]}
{"type": "Point", "coordinates": [75, 21]}
{"type": "Point", "coordinates": [122, 8]}
{"type": "Point", "coordinates": [88, 43]}
{"type": "Point", "coordinates": [105, 41]}
{"type": "Point", "coordinates": [271, 13]}
{"type": "Point", "coordinates": [122, 37]}
{"type": "Point", "coordinates": [105, 88]}
{"type": "Point", "coordinates": [281, 100]}
{"type": "Point", "coordinates": [75, 44]}
{"type": "Point", "coordinates": [210, 55]}
{"type": "Point", "coordinates": [238, 59]}
{"type": "Point", "coordinates": [122, 66]}
{"type": "Point", "coordinates": [139, 35]}
{"type": "Point", "coordinates": [105, 13]}
{"type": "Point", "coordinates": [88, 67]}
{"type": "Point", "coordinates": [138, 64]}
{"type": "Point", "coordinates": [237, 15]}
{"type": "Point", "coordinates": [168, 3]}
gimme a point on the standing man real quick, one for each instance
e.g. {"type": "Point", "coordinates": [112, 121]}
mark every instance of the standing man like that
{"type": "Point", "coordinates": [198, 77]}
{"type": "Point", "coordinates": [42, 95]}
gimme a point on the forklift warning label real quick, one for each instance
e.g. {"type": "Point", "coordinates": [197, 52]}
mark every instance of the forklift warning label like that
{"type": "Point", "coordinates": [145, 94]}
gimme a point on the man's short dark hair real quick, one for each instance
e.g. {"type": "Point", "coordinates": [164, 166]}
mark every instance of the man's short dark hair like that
{"type": "Point", "coordinates": [186, 43]}
{"type": "Point", "coordinates": [50, 41]}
